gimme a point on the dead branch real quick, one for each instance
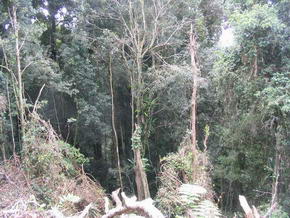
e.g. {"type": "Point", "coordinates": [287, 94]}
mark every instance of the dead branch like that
{"type": "Point", "coordinates": [253, 212]}
{"type": "Point", "coordinates": [131, 205]}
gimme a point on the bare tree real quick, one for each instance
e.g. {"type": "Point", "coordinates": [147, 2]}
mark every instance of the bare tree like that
{"type": "Point", "coordinates": [195, 74]}
{"type": "Point", "coordinates": [144, 35]}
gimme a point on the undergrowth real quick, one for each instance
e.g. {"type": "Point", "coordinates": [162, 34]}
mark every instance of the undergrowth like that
{"type": "Point", "coordinates": [179, 176]}
{"type": "Point", "coordinates": [49, 171]}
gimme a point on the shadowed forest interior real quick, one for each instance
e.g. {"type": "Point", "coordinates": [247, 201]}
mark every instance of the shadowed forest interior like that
{"type": "Point", "coordinates": [186, 102]}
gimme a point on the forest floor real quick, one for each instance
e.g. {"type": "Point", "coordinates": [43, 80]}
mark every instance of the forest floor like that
{"type": "Point", "coordinates": [25, 197]}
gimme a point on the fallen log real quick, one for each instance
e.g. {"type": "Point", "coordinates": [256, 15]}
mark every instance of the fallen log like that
{"type": "Point", "coordinates": [253, 212]}
{"type": "Point", "coordinates": [144, 208]}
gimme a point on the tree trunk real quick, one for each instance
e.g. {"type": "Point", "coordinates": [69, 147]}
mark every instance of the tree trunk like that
{"type": "Point", "coordinates": [140, 174]}
{"type": "Point", "coordinates": [52, 11]}
{"type": "Point", "coordinates": [20, 89]}
{"type": "Point", "coordinates": [140, 177]}
{"type": "Point", "coordinates": [195, 70]}
{"type": "Point", "coordinates": [113, 123]}
{"type": "Point", "coordinates": [139, 96]}
{"type": "Point", "coordinates": [3, 150]}
{"type": "Point", "coordinates": [123, 142]}
{"type": "Point", "coordinates": [11, 121]}
{"type": "Point", "coordinates": [276, 169]}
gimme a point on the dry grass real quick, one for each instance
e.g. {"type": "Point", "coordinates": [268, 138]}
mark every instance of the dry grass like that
{"type": "Point", "coordinates": [40, 180]}
{"type": "Point", "coordinates": [19, 199]}
{"type": "Point", "coordinates": [16, 198]}
{"type": "Point", "coordinates": [177, 169]}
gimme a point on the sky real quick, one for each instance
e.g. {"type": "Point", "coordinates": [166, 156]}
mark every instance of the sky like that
{"type": "Point", "coordinates": [227, 38]}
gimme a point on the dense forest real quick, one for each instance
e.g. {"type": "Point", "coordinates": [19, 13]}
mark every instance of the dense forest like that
{"type": "Point", "coordinates": [186, 102]}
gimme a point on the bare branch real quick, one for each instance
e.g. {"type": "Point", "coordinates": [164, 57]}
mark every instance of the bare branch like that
{"type": "Point", "coordinates": [244, 204]}
{"type": "Point", "coordinates": [37, 99]}
{"type": "Point", "coordinates": [269, 212]}
{"type": "Point", "coordinates": [6, 68]}
{"type": "Point", "coordinates": [144, 207]}
{"type": "Point", "coordinates": [22, 71]}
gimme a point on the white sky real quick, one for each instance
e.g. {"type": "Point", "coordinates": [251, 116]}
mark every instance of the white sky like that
{"type": "Point", "coordinates": [227, 38]}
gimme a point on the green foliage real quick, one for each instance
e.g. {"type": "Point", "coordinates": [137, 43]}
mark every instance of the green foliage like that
{"type": "Point", "coordinates": [251, 82]}
{"type": "Point", "coordinates": [257, 18]}
{"type": "Point", "coordinates": [136, 139]}
{"type": "Point", "coordinates": [277, 213]}
{"type": "Point", "coordinates": [44, 159]}
{"type": "Point", "coordinates": [176, 194]}
{"type": "Point", "coordinates": [48, 159]}
{"type": "Point", "coordinates": [183, 165]}
{"type": "Point", "coordinates": [276, 95]}
{"type": "Point", "coordinates": [243, 94]}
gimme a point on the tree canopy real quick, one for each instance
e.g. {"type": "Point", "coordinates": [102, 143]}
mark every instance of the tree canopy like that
{"type": "Point", "coordinates": [120, 88]}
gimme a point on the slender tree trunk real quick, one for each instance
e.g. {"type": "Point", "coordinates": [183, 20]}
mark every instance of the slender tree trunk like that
{"type": "Point", "coordinates": [277, 168]}
{"type": "Point", "coordinates": [2, 143]}
{"type": "Point", "coordinates": [195, 70]}
{"type": "Point", "coordinates": [132, 105]}
{"type": "Point", "coordinates": [52, 11]}
{"type": "Point", "coordinates": [139, 88]}
{"type": "Point", "coordinates": [11, 121]}
{"type": "Point", "coordinates": [76, 125]}
{"type": "Point", "coordinates": [20, 89]}
{"type": "Point", "coordinates": [123, 142]}
{"type": "Point", "coordinates": [3, 106]}
{"type": "Point", "coordinates": [140, 174]}
{"type": "Point", "coordinates": [113, 123]}
{"type": "Point", "coordinates": [276, 179]}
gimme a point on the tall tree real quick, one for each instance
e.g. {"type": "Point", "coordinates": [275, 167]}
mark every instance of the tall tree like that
{"type": "Point", "coordinates": [251, 135]}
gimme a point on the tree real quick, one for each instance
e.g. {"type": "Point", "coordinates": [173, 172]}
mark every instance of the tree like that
{"type": "Point", "coordinates": [246, 127]}
{"type": "Point", "coordinates": [16, 68]}
{"type": "Point", "coordinates": [24, 64]}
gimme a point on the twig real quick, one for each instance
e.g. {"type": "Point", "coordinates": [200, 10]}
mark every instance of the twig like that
{"type": "Point", "coordinates": [269, 212]}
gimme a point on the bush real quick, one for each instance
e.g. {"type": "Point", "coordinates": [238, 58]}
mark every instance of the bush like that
{"type": "Point", "coordinates": [177, 169]}
{"type": "Point", "coordinates": [53, 167]}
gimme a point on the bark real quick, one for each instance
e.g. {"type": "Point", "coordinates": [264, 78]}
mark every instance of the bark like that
{"type": "Point", "coordinates": [253, 212]}
{"type": "Point", "coordinates": [114, 123]}
{"type": "Point", "coordinates": [123, 145]}
{"type": "Point", "coordinates": [276, 169]}
{"type": "Point", "coordinates": [247, 209]}
{"type": "Point", "coordinates": [52, 10]}
{"type": "Point", "coordinates": [140, 177]}
{"type": "Point", "coordinates": [3, 150]}
{"type": "Point", "coordinates": [20, 89]}
{"type": "Point", "coordinates": [11, 121]}
{"type": "Point", "coordinates": [140, 174]}
{"type": "Point", "coordinates": [144, 208]}
{"type": "Point", "coordinates": [195, 70]}
{"type": "Point", "coordinates": [132, 106]}
{"type": "Point", "coordinates": [255, 64]}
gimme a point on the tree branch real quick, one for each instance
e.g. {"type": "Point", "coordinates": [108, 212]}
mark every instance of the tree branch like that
{"type": "Point", "coordinates": [130, 205]}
